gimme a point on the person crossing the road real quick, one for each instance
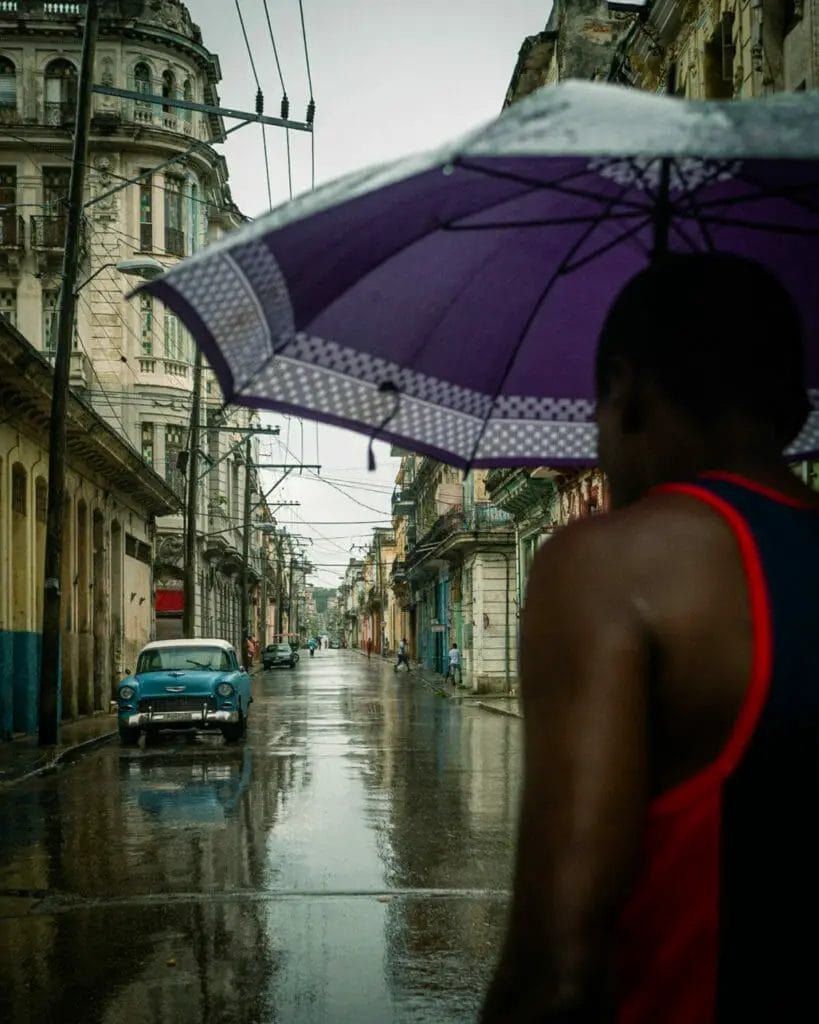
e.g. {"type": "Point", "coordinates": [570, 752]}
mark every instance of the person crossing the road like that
{"type": "Point", "coordinates": [403, 656]}
{"type": "Point", "coordinates": [454, 665]}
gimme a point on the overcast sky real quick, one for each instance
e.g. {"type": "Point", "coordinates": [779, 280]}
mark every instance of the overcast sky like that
{"type": "Point", "coordinates": [390, 77]}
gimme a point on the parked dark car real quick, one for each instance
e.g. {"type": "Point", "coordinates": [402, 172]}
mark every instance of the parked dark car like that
{"type": "Point", "coordinates": [335, 645]}
{"type": "Point", "coordinates": [279, 655]}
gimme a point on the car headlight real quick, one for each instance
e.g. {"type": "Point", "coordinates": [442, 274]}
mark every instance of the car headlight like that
{"type": "Point", "coordinates": [224, 690]}
{"type": "Point", "coordinates": [126, 692]}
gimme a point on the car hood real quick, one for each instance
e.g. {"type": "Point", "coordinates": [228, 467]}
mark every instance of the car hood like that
{"type": "Point", "coordinates": [186, 683]}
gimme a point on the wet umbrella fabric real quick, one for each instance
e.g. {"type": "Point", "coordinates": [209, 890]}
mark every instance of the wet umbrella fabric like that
{"type": "Point", "coordinates": [453, 301]}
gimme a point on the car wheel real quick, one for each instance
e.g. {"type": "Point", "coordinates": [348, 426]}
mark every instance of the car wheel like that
{"type": "Point", "coordinates": [234, 732]}
{"type": "Point", "coordinates": [128, 737]}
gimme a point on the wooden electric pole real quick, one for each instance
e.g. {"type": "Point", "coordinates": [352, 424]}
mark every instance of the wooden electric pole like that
{"type": "Point", "coordinates": [246, 554]}
{"type": "Point", "coordinates": [51, 656]}
{"type": "Point", "coordinates": [189, 564]}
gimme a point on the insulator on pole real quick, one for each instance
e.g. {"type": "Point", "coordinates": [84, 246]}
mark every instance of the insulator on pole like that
{"type": "Point", "coordinates": [311, 111]}
{"type": "Point", "coordinates": [259, 102]}
{"type": "Point", "coordinates": [285, 108]}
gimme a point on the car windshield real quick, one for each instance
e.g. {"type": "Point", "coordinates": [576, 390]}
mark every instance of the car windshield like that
{"type": "Point", "coordinates": [185, 659]}
{"type": "Point", "coordinates": [283, 648]}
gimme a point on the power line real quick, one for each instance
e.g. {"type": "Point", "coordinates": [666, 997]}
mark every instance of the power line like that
{"type": "Point", "coordinates": [259, 102]}
{"type": "Point", "coordinates": [285, 108]}
{"type": "Point", "coordinates": [311, 106]}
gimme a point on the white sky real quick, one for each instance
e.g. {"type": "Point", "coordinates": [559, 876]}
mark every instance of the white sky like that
{"type": "Point", "coordinates": [390, 77]}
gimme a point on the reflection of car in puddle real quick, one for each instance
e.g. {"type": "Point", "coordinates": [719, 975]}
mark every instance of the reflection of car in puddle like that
{"type": "Point", "coordinates": [205, 785]}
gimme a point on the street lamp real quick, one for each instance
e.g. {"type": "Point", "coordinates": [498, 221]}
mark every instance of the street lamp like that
{"type": "Point", "coordinates": [144, 267]}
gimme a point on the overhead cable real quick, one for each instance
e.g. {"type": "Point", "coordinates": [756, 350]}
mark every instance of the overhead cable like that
{"type": "Point", "coordinates": [285, 107]}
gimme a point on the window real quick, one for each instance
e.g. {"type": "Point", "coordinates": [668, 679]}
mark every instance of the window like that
{"type": "Point", "coordinates": [18, 489]}
{"type": "Point", "coordinates": [719, 61]}
{"type": "Point", "coordinates": [168, 92]}
{"type": "Point", "coordinates": [60, 92]}
{"type": "Point", "coordinates": [8, 302]}
{"type": "Point", "coordinates": [41, 500]}
{"type": "Point", "coordinates": [55, 208]}
{"type": "Point", "coordinates": [146, 212]}
{"type": "Point", "coordinates": [146, 324]}
{"type": "Point", "coordinates": [10, 235]}
{"type": "Point", "coordinates": [193, 219]}
{"type": "Point", "coordinates": [148, 443]}
{"type": "Point", "coordinates": [49, 319]}
{"type": "Point", "coordinates": [174, 446]}
{"type": "Point", "coordinates": [174, 233]}
{"type": "Point", "coordinates": [174, 348]}
{"type": "Point", "coordinates": [234, 493]}
{"type": "Point", "coordinates": [142, 79]}
{"type": "Point", "coordinates": [187, 94]}
{"type": "Point", "coordinates": [8, 91]}
{"type": "Point", "coordinates": [50, 307]}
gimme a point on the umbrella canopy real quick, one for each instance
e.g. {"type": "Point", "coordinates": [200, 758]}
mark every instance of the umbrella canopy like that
{"type": "Point", "coordinates": [452, 302]}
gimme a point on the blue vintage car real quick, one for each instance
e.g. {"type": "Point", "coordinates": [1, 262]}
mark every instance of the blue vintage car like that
{"type": "Point", "coordinates": [185, 684]}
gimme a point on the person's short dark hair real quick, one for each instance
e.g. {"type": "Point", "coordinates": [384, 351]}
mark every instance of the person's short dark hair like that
{"type": "Point", "coordinates": [715, 333]}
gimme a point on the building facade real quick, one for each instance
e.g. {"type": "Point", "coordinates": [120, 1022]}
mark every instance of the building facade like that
{"type": "Point", "coordinates": [453, 574]}
{"type": "Point", "coordinates": [157, 187]}
{"type": "Point", "coordinates": [112, 501]}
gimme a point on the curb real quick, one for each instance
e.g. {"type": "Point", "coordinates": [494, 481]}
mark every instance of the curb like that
{"type": "Point", "coordinates": [498, 711]}
{"type": "Point", "coordinates": [63, 756]}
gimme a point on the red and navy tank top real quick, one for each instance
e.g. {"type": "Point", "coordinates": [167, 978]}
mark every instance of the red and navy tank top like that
{"type": "Point", "coordinates": [723, 923]}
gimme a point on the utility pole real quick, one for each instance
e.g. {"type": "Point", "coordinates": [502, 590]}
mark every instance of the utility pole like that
{"type": "Point", "coordinates": [189, 568]}
{"type": "Point", "coordinates": [246, 555]}
{"type": "Point", "coordinates": [263, 597]}
{"type": "Point", "coordinates": [51, 656]}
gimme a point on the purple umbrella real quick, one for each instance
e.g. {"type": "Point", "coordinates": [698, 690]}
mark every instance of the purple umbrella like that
{"type": "Point", "coordinates": [451, 303]}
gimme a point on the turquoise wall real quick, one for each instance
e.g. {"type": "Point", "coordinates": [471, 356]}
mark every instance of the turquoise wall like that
{"type": "Point", "coordinates": [19, 682]}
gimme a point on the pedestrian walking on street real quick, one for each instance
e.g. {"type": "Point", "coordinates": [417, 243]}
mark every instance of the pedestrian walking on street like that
{"type": "Point", "coordinates": [668, 837]}
{"type": "Point", "coordinates": [403, 657]}
{"type": "Point", "coordinates": [454, 665]}
{"type": "Point", "coordinates": [369, 648]}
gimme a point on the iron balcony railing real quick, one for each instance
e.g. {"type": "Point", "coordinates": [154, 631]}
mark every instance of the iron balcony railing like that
{"type": "Point", "coordinates": [48, 231]}
{"type": "Point", "coordinates": [476, 518]}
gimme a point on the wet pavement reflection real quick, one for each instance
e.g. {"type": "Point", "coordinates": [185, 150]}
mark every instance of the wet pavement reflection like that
{"type": "Point", "coordinates": [349, 863]}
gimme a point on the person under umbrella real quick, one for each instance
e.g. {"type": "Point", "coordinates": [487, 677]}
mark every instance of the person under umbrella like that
{"type": "Point", "coordinates": [668, 837]}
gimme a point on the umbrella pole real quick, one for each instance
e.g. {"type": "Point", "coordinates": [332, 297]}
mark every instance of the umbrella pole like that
{"type": "Point", "coordinates": [662, 218]}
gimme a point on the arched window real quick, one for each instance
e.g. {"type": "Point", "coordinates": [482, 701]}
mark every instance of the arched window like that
{"type": "Point", "coordinates": [187, 94]}
{"type": "Point", "coordinates": [168, 90]}
{"type": "Point", "coordinates": [8, 91]}
{"type": "Point", "coordinates": [142, 79]}
{"type": "Point", "coordinates": [60, 92]}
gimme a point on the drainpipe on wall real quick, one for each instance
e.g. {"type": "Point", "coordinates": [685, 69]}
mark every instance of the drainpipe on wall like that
{"type": "Point", "coordinates": [506, 557]}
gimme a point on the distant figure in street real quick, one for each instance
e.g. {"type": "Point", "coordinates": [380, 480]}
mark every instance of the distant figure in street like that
{"type": "Point", "coordinates": [403, 656]}
{"type": "Point", "coordinates": [669, 837]}
{"type": "Point", "coordinates": [369, 648]}
{"type": "Point", "coordinates": [454, 665]}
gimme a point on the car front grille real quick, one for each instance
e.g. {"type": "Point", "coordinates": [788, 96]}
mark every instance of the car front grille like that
{"type": "Point", "coordinates": [173, 703]}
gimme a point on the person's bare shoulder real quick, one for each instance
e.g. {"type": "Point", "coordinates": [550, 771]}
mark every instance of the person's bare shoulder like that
{"type": "Point", "coordinates": [633, 553]}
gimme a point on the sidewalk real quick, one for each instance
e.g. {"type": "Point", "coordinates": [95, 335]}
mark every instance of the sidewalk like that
{"type": "Point", "coordinates": [23, 758]}
{"type": "Point", "coordinates": [497, 703]}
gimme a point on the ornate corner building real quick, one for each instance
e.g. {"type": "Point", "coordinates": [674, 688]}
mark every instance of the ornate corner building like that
{"type": "Point", "coordinates": [156, 187]}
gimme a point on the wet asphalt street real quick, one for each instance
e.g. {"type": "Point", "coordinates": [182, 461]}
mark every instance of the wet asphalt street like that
{"type": "Point", "coordinates": [349, 863]}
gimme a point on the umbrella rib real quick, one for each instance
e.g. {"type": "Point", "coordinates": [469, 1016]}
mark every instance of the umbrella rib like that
{"type": "Point", "coordinates": [611, 244]}
{"type": "Point", "coordinates": [557, 186]}
{"type": "Point", "coordinates": [770, 228]}
{"type": "Point", "coordinates": [559, 271]}
{"type": "Point", "coordinates": [550, 222]}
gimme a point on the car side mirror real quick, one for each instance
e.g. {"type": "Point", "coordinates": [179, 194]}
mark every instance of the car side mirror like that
{"type": "Point", "coordinates": [242, 669]}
